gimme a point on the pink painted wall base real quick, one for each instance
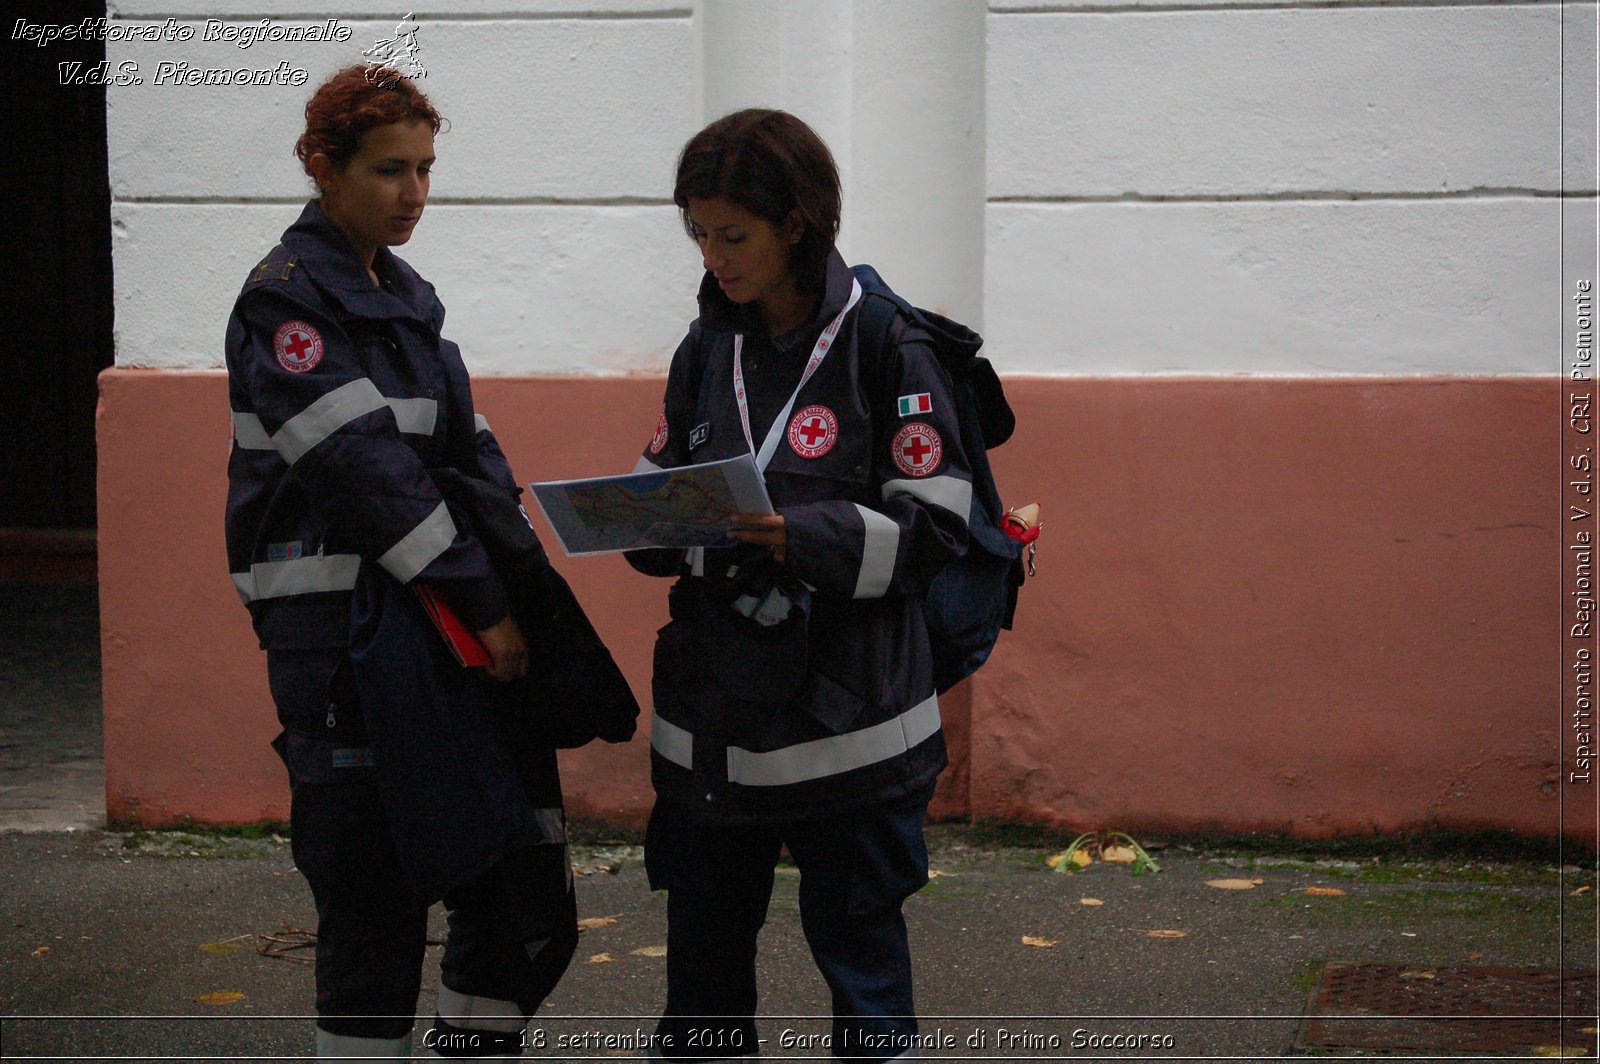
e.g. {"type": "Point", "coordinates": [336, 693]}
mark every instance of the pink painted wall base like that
{"type": "Point", "coordinates": [1320, 607]}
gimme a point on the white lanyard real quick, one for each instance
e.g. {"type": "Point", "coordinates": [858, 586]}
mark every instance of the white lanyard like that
{"type": "Point", "coordinates": [770, 445]}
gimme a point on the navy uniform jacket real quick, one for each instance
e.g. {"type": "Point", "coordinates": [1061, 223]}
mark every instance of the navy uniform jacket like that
{"type": "Point", "coordinates": [837, 710]}
{"type": "Point", "coordinates": [342, 395]}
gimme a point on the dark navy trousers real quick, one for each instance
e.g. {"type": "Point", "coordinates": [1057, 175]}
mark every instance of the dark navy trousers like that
{"type": "Point", "coordinates": [856, 870]}
{"type": "Point", "coordinates": [512, 928]}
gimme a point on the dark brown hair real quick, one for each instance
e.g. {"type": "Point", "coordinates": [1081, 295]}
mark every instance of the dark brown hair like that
{"type": "Point", "coordinates": [769, 163]}
{"type": "Point", "coordinates": [352, 102]}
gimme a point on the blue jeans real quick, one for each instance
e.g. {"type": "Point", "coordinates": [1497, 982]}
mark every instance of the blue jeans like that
{"type": "Point", "coordinates": [856, 871]}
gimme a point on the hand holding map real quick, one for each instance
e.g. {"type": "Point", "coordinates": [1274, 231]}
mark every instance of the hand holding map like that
{"type": "Point", "coordinates": [691, 506]}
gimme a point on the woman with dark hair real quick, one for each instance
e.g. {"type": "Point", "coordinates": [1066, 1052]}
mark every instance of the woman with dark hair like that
{"type": "Point", "coordinates": [794, 694]}
{"type": "Point", "coordinates": [345, 401]}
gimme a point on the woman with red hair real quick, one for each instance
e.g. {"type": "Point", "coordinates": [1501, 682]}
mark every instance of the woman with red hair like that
{"type": "Point", "coordinates": [345, 401]}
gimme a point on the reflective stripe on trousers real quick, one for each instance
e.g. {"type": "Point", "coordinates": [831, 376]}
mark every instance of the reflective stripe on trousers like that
{"type": "Point", "coordinates": [810, 760]}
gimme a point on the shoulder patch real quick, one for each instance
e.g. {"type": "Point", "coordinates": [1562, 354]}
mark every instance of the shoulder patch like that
{"type": "Point", "coordinates": [917, 449]}
{"type": "Point", "coordinates": [659, 440]}
{"type": "Point", "coordinates": [298, 346]}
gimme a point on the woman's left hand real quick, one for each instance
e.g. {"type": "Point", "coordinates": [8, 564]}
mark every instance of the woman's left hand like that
{"type": "Point", "coordinates": [764, 530]}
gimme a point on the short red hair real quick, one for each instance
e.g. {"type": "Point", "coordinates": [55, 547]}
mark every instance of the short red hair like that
{"type": "Point", "coordinates": [353, 101]}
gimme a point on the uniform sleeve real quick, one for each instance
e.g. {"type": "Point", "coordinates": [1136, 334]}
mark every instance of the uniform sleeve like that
{"type": "Point", "coordinates": [918, 523]}
{"type": "Point", "coordinates": [311, 400]}
{"type": "Point", "coordinates": [668, 447]}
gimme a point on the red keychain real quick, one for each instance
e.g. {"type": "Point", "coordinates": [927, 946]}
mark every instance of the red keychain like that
{"type": "Point", "coordinates": [1022, 524]}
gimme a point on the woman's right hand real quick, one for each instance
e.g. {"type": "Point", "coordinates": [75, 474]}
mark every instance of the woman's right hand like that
{"type": "Point", "coordinates": [508, 650]}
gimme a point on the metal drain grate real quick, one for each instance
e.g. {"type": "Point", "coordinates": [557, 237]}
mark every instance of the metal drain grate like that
{"type": "Point", "coordinates": [1420, 1008]}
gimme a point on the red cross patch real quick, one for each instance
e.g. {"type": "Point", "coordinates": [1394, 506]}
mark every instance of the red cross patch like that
{"type": "Point", "coordinates": [813, 432]}
{"type": "Point", "coordinates": [298, 346]}
{"type": "Point", "coordinates": [917, 449]}
{"type": "Point", "coordinates": [659, 440]}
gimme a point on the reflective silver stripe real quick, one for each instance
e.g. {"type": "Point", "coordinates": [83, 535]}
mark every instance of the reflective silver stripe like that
{"type": "Point", "coordinates": [671, 741]}
{"type": "Point", "coordinates": [947, 493]}
{"type": "Point", "coordinates": [479, 1013]}
{"type": "Point", "coordinates": [325, 417]}
{"type": "Point", "coordinates": [880, 544]}
{"type": "Point", "coordinates": [431, 538]}
{"type": "Point", "coordinates": [249, 433]}
{"type": "Point", "coordinates": [644, 465]}
{"type": "Point", "coordinates": [697, 560]}
{"type": "Point", "coordinates": [416, 416]}
{"type": "Point", "coordinates": [552, 825]}
{"type": "Point", "coordinates": [332, 1046]}
{"type": "Point", "coordinates": [298, 576]}
{"type": "Point", "coordinates": [836, 753]}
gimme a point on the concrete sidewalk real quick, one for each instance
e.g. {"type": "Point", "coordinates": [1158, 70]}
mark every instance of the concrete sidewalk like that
{"type": "Point", "coordinates": [112, 942]}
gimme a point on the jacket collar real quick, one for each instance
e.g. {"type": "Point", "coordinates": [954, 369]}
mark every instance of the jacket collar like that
{"type": "Point", "coordinates": [719, 312]}
{"type": "Point", "coordinates": [325, 253]}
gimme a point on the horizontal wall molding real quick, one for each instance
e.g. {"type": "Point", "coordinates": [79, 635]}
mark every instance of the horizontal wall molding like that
{"type": "Point", "coordinates": [1309, 196]}
{"type": "Point", "coordinates": [1136, 8]}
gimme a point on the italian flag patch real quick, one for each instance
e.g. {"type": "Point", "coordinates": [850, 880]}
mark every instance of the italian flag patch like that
{"type": "Point", "coordinates": [921, 403]}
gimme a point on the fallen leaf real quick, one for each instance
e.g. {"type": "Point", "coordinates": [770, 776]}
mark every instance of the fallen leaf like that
{"type": "Point", "coordinates": [602, 958]}
{"type": "Point", "coordinates": [1408, 934]}
{"type": "Point", "coordinates": [220, 997]}
{"type": "Point", "coordinates": [650, 951]}
{"type": "Point", "coordinates": [1082, 859]}
{"type": "Point", "coordinates": [1560, 1051]}
{"type": "Point", "coordinates": [1042, 943]}
{"type": "Point", "coordinates": [1324, 892]}
{"type": "Point", "coordinates": [596, 921]}
{"type": "Point", "coordinates": [1588, 1030]}
{"type": "Point", "coordinates": [1582, 890]}
{"type": "Point", "coordinates": [1119, 854]}
{"type": "Point", "coordinates": [41, 951]}
{"type": "Point", "coordinates": [934, 873]}
{"type": "Point", "coordinates": [1166, 934]}
{"type": "Point", "coordinates": [220, 947]}
{"type": "Point", "coordinates": [1416, 974]}
{"type": "Point", "coordinates": [1090, 901]}
{"type": "Point", "coordinates": [1234, 884]}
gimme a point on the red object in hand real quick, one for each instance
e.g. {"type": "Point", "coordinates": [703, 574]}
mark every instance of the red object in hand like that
{"type": "Point", "coordinates": [1022, 523]}
{"type": "Point", "coordinates": [463, 642]}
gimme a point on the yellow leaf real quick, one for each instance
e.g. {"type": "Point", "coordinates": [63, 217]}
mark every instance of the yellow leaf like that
{"type": "Point", "coordinates": [220, 997]}
{"type": "Point", "coordinates": [1166, 933]}
{"type": "Point", "coordinates": [602, 958]}
{"type": "Point", "coordinates": [1324, 892]}
{"type": "Point", "coordinates": [41, 951]}
{"type": "Point", "coordinates": [593, 922]}
{"type": "Point", "coordinates": [1119, 854]}
{"type": "Point", "coordinates": [1042, 943]}
{"type": "Point", "coordinates": [651, 951]}
{"type": "Point", "coordinates": [1090, 901]}
{"type": "Point", "coordinates": [1234, 884]}
{"type": "Point", "coordinates": [934, 873]}
{"type": "Point", "coordinates": [1559, 1051]}
{"type": "Point", "coordinates": [1588, 1030]}
{"type": "Point", "coordinates": [1417, 974]}
{"type": "Point", "coordinates": [220, 947]}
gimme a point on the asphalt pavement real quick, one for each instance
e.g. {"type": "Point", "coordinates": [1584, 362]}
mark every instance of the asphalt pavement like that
{"type": "Point", "coordinates": [165, 945]}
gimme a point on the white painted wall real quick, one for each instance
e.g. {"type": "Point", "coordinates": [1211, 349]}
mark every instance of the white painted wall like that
{"type": "Point", "coordinates": [1104, 186]}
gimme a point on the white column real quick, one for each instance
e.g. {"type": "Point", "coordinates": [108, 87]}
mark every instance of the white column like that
{"type": "Point", "coordinates": [896, 88]}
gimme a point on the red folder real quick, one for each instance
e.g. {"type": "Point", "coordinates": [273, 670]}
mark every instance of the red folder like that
{"type": "Point", "coordinates": [463, 642]}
